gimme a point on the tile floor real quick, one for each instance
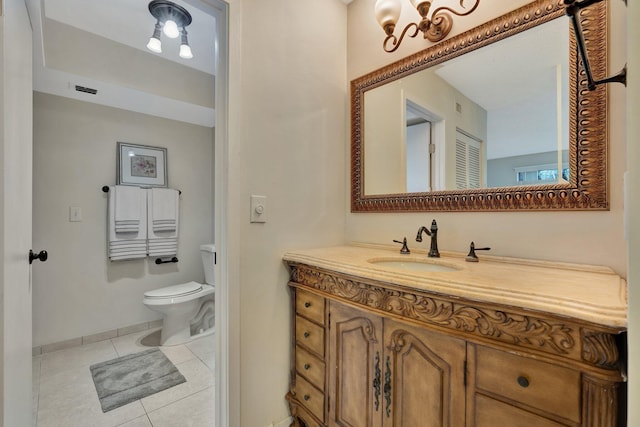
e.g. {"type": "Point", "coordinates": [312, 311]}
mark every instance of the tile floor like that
{"type": "Point", "coordinates": [64, 394]}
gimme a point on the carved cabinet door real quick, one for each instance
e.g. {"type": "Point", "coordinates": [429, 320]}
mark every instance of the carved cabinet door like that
{"type": "Point", "coordinates": [385, 373]}
{"type": "Point", "coordinates": [423, 377]}
{"type": "Point", "coordinates": [355, 367]}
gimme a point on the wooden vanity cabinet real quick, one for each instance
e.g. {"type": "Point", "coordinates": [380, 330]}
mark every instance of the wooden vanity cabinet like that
{"type": "Point", "coordinates": [372, 354]}
{"type": "Point", "coordinates": [389, 373]}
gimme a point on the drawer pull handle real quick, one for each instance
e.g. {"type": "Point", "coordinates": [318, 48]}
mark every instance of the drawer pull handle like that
{"type": "Point", "coordinates": [306, 397]}
{"type": "Point", "coordinates": [306, 334]}
{"type": "Point", "coordinates": [387, 387]}
{"type": "Point", "coordinates": [306, 366]}
{"type": "Point", "coordinates": [307, 304]}
{"type": "Point", "coordinates": [376, 380]}
{"type": "Point", "coordinates": [523, 381]}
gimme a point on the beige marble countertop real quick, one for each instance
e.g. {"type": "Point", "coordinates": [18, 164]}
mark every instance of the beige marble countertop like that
{"type": "Point", "coordinates": [592, 293]}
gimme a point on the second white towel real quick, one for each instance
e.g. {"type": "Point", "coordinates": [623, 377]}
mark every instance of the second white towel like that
{"type": "Point", "coordinates": [163, 215]}
{"type": "Point", "coordinates": [164, 206]}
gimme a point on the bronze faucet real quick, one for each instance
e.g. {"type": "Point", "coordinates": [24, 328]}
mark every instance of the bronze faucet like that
{"type": "Point", "coordinates": [405, 249]}
{"type": "Point", "coordinates": [433, 250]}
{"type": "Point", "coordinates": [471, 256]}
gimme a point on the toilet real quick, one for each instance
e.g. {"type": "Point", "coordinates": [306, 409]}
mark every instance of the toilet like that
{"type": "Point", "coordinates": [188, 308]}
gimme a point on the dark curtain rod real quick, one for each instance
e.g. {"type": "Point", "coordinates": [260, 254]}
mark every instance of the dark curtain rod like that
{"type": "Point", "coordinates": [105, 189]}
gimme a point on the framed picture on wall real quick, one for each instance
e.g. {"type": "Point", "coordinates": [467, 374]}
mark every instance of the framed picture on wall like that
{"type": "Point", "coordinates": [141, 165]}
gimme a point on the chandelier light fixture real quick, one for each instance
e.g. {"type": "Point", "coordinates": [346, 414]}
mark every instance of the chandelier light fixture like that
{"type": "Point", "coordinates": [434, 28]}
{"type": "Point", "coordinates": [172, 20]}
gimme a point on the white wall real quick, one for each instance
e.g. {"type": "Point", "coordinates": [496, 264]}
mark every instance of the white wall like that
{"type": "Point", "coordinates": [633, 209]}
{"type": "Point", "coordinates": [2, 207]}
{"type": "Point", "coordinates": [288, 104]}
{"type": "Point", "coordinates": [78, 291]}
{"type": "Point", "coordinates": [584, 237]}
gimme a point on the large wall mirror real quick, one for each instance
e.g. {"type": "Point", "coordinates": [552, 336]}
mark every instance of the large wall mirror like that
{"type": "Point", "coordinates": [497, 118]}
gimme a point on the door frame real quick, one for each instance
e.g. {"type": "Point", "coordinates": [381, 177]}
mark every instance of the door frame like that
{"type": "Point", "coordinates": [220, 10]}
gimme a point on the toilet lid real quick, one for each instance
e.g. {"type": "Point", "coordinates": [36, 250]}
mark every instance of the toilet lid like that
{"type": "Point", "coordinates": [175, 290]}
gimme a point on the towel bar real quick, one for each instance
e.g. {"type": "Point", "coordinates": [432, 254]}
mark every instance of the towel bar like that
{"type": "Point", "coordinates": [161, 261]}
{"type": "Point", "coordinates": [105, 189]}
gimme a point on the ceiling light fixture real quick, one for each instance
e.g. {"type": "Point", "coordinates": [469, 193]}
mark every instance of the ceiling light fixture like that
{"type": "Point", "coordinates": [172, 20]}
{"type": "Point", "coordinates": [434, 29]}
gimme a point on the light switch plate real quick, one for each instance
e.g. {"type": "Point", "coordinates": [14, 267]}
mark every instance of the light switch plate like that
{"type": "Point", "coordinates": [258, 209]}
{"type": "Point", "coordinates": [75, 214]}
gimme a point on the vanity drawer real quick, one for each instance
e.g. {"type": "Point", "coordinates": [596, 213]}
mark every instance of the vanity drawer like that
{"type": "Point", "coordinates": [310, 306]}
{"type": "Point", "coordinates": [493, 413]}
{"type": "Point", "coordinates": [310, 367]}
{"type": "Point", "coordinates": [550, 388]}
{"type": "Point", "coordinates": [310, 335]}
{"type": "Point", "coordinates": [311, 398]}
{"type": "Point", "coordinates": [305, 419]}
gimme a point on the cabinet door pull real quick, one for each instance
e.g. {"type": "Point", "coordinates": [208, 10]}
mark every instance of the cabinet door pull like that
{"type": "Point", "coordinates": [306, 366]}
{"type": "Point", "coordinates": [306, 397]}
{"type": "Point", "coordinates": [387, 386]}
{"type": "Point", "coordinates": [306, 334]}
{"type": "Point", "coordinates": [307, 304]}
{"type": "Point", "coordinates": [523, 381]}
{"type": "Point", "coordinates": [376, 380]}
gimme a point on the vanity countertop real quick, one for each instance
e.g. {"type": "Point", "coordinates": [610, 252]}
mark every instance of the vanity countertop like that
{"type": "Point", "coordinates": [591, 293]}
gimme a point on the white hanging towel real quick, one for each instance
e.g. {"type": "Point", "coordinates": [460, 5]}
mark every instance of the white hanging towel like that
{"type": "Point", "coordinates": [127, 208]}
{"type": "Point", "coordinates": [163, 221]}
{"type": "Point", "coordinates": [165, 205]}
{"type": "Point", "coordinates": [129, 244]}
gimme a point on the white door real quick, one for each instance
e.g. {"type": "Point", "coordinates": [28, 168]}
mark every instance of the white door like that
{"type": "Point", "coordinates": [15, 227]}
{"type": "Point", "coordinates": [469, 161]}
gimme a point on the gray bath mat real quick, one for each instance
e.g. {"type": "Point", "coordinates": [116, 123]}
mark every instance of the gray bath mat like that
{"type": "Point", "coordinates": [134, 376]}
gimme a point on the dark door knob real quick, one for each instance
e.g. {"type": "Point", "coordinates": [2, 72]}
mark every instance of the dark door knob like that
{"type": "Point", "coordinates": [42, 256]}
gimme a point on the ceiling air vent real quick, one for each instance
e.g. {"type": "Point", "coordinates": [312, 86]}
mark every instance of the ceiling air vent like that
{"type": "Point", "coordinates": [86, 90]}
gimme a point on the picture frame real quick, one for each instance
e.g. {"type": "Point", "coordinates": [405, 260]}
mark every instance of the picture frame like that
{"type": "Point", "coordinates": [141, 165]}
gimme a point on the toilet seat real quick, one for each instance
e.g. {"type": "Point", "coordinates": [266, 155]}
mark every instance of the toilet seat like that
{"type": "Point", "coordinates": [174, 291]}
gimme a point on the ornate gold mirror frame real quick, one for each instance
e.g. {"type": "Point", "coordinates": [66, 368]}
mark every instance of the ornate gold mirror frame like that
{"type": "Point", "coordinates": [587, 187]}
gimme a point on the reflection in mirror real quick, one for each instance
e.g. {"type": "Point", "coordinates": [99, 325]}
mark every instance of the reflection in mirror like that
{"type": "Point", "coordinates": [496, 118]}
{"type": "Point", "coordinates": [418, 140]}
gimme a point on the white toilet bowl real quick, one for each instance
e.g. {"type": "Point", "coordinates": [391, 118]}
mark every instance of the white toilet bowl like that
{"type": "Point", "coordinates": [179, 304]}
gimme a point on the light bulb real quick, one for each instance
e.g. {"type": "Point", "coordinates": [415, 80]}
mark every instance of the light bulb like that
{"type": "Point", "coordinates": [171, 29]}
{"type": "Point", "coordinates": [154, 45]}
{"type": "Point", "coordinates": [185, 51]}
{"type": "Point", "coordinates": [387, 12]}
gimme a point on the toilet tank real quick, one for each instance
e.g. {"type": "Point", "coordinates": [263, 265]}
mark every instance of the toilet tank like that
{"type": "Point", "coordinates": [209, 261]}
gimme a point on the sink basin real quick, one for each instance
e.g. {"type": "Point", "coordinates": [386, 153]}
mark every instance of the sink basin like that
{"type": "Point", "coordinates": [413, 265]}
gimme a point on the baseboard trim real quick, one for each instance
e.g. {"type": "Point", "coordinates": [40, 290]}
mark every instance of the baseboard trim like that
{"type": "Point", "coordinates": [100, 336]}
{"type": "Point", "coordinates": [284, 423]}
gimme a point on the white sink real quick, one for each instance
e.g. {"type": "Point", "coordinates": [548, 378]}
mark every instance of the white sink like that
{"type": "Point", "coordinates": [413, 264]}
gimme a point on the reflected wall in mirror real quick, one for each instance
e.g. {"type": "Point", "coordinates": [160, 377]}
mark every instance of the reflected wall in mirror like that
{"type": "Point", "coordinates": [497, 118]}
